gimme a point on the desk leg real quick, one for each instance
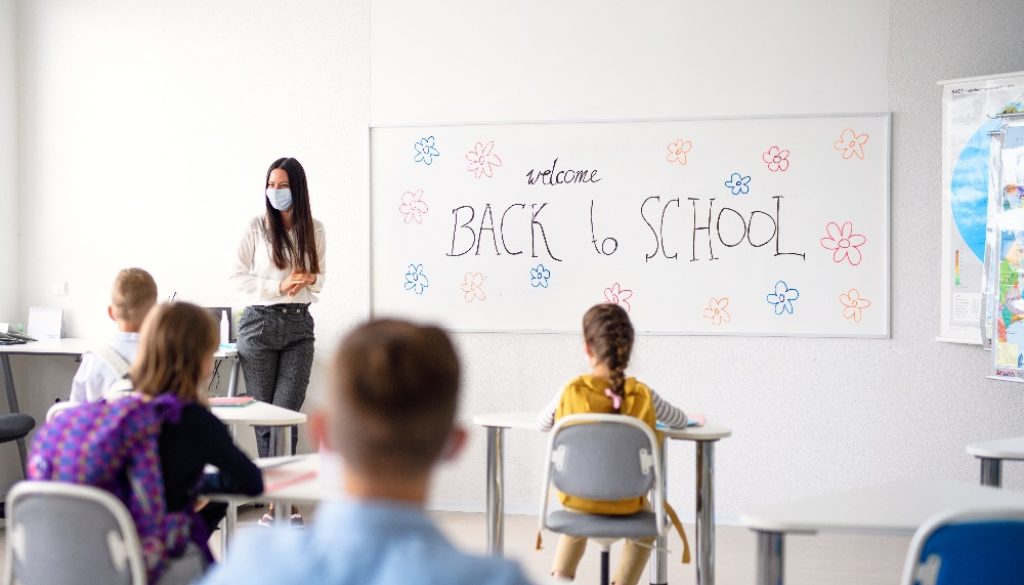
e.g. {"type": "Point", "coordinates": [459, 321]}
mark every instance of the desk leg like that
{"type": "Point", "coordinates": [659, 560]}
{"type": "Point", "coordinates": [233, 377]}
{"type": "Point", "coordinates": [769, 558]}
{"type": "Point", "coordinates": [495, 490]}
{"type": "Point", "coordinates": [991, 472]}
{"type": "Point", "coordinates": [230, 521]}
{"type": "Point", "coordinates": [12, 401]}
{"type": "Point", "coordinates": [705, 513]}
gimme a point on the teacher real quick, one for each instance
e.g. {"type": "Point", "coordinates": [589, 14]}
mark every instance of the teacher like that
{"type": "Point", "coordinates": [280, 268]}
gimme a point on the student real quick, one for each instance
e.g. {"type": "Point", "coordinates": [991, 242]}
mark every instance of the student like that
{"type": "Point", "coordinates": [608, 342]}
{"type": "Point", "coordinates": [106, 367]}
{"type": "Point", "coordinates": [150, 447]}
{"type": "Point", "coordinates": [390, 414]}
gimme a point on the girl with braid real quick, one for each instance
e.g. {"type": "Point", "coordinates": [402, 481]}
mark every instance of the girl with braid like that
{"type": "Point", "coordinates": [608, 342]}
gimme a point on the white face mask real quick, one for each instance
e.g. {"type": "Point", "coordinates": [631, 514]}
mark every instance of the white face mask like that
{"type": "Point", "coordinates": [280, 199]}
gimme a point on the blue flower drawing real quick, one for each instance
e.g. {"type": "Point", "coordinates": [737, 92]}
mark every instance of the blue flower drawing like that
{"type": "Point", "coordinates": [426, 150]}
{"type": "Point", "coordinates": [539, 276]}
{"type": "Point", "coordinates": [415, 279]}
{"type": "Point", "coordinates": [783, 298]}
{"type": "Point", "coordinates": [738, 184]}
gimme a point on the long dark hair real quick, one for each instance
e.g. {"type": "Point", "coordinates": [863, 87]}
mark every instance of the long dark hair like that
{"type": "Point", "coordinates": [302, 252]}
{"type": "Point", "coordinates": [609, 334]}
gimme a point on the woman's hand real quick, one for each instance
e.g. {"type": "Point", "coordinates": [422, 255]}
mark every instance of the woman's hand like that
{"type": "Point", "coordinates": [295, 282]}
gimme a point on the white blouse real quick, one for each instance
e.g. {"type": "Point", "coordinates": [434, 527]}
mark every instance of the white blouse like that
{"type": "Point", "coordinates": [256, 275]}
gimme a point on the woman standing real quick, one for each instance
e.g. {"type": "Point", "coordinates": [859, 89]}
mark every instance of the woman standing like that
{"type": "Point", "coordinates": [280, 267]}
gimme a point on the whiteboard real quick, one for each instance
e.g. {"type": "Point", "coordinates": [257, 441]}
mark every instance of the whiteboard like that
{"type": "Point", "coordinates": [749, 226]}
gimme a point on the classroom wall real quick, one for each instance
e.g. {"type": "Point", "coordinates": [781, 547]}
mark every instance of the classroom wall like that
{"type": "Point", "coordinates": [8, 162]}
{"type": "Point", "coordinates": [145, 131]}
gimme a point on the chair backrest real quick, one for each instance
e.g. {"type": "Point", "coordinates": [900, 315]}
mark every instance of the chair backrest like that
{"type": "Point", "coordinates": [67, 534]}
{"type": "Point", "coordinates": [602, 460]}
{"type": "Point", "coordinates": [980, 546]}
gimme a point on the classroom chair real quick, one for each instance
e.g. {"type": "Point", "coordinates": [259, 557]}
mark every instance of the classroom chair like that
{"type": "Point", "coordinates": [604, 457]}
{"type": "Point", "coordinates": [15, 427]}
{"type": "Point", "coordinates": [68, 534]}
{"type": "Point", "coordinates": [968, 547]}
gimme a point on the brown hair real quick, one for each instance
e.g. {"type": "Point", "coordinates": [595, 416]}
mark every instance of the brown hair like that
{"type": "Point", "coordinates": [394, 396]}
{"type": "Point", "coordinates": [176, 340]}
{"type": "Point", "coordinates": [300, 254]}
{"type": "Point", "coordinates": [609, 334]}
{"type": "Point", "coordinates": [133, 295]}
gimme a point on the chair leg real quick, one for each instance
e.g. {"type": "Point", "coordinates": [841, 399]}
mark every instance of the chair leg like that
{"type": "Point", "coordinates": [604, 566]}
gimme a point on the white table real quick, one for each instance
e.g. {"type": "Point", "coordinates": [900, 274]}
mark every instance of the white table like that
{"type": "Point", "coordinates": [992, 453]}
{"type": "Point", "coordinates": [897, 508]}
{"type": "Point", "coordinates": [704, 437]}
{"type": "Point", "coordinates": [75, 347]}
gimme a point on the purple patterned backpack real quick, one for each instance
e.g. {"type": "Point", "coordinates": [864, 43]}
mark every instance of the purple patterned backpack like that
{"type": "Point", "coordinates": [115, 446]}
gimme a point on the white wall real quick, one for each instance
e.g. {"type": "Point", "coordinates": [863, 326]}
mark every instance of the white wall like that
{"type": "Point", "coordinates": [8, 162]}
{"type": "Point", "coordinates": [135, 111]}
{"type": "Point", "coordinates": [146, 132]}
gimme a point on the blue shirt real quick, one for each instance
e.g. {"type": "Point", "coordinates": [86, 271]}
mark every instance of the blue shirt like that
{"type": "Point", "coordinates": [95, 376]}
{"type": "Point", "coordinates": [358, 542]}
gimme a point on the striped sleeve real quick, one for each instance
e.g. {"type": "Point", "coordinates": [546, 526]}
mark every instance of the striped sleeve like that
{"type": "Point", "coordinates": [667, 414]}
{"type": "Point", "coordinates": [546, 418]}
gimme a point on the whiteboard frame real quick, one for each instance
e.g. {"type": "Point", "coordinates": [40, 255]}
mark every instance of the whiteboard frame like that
{"type": "Point", "coordinates": [887, 115]}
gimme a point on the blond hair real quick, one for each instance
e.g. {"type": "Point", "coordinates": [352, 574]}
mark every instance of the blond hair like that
{"type": "Point", "coordinates": [176, 340]}
{"type": "Point", "coordinates": [133, 295]}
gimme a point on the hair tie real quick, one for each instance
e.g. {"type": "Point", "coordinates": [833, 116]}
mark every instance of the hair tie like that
{"type": "Point", "coordinates": [616, 399]}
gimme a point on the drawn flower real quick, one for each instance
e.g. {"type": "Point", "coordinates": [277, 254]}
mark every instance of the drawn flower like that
{"type": "Point", "coordinates": [783, 298]}
{"type": "Point", "coordinates": [415, 279]}
{"type": "Point", "coordinates": [845, 244]}
{"type": "Point", "coordinates": [738, 184]}
{"type": "Point", "coordinates": [426, 150]}
{"type": "Point", "coordinates": [473, 287]}
{"type": "Point", "coordinates": [482, 160]}
{"type": "Point", "coordinates": [776, 158]}
{"type": "Point", "coordinates": [851, 143]}
{"type": "Point", "coordinates": [678, 150]}
{"type": "Point", "coordinates": [718, 311]}
{"type": "Point", "coordinates": [617, 295]}
{"type": "Point", "coordinates": [853, 304]}
{"type": "Point", "coordinates": [413, 207]}
{"type": "Point", "coordinates": [539, 276]}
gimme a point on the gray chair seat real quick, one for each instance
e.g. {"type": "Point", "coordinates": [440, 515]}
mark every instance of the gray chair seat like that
{"type": "Point", "coordinates": [15, 426]}
{"type": "Point", "coordinates": [639, 525]}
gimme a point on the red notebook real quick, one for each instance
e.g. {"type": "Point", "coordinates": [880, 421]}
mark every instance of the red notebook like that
{"type": "Point", "coordinates": [232, 401]}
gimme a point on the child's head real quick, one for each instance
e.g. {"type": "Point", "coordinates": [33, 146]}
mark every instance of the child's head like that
{"type": "Point", "coordinates": [393, 398]}
{"type": "Point", "coordinates": [609, 337]}
{"type": "Point", "coordinates": [131, 298]}
{"type": "Point", "coordinates": [175, 351]}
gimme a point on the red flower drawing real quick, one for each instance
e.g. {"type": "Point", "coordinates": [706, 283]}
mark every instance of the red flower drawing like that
{"type": "Point", "coordinates": [844, 244]}
{"type": "Point", "coordinates": [851, 143]}
{"type": "Point", "coordinates": [853, 304]}
{"type": "Point", "coordinates": [413, 207]}
{"type": "Point", "coordinates": [776, 158]}
{"type": "Point", "coordinates": [473, 287]}
{"type": "Point", "coordinates": [717, 311]}
{"type": "Point", "coordinates": [482, 160]}
{"type": "Point", "coordinates": [678, 150]}
{"type": "Point", "coordinates": [617, 295]}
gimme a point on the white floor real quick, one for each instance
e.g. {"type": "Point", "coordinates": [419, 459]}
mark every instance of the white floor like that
{"type": "Point", "coordinates": [810, 560]}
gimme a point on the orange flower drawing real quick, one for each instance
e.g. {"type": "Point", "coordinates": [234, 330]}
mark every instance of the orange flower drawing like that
{"type": "Point", "coordinates": [717, 311]}
{"type": "Point", "coordinates": [678, 150]}
{"type": "Point", "coordinates": [851, 143]}
{"type": "Point", "coordinates": [473, 287]}
{"type": "Point", "coordinates": [853, 304]}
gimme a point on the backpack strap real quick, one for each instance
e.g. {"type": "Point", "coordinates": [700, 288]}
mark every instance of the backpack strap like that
{"type": "Point", "coordinates": [113, 359]}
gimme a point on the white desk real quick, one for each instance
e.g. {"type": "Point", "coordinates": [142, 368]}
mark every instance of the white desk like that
{"type": "Point", "coordinates": [992, 453]}
{"type": "Point", "coordinates": [704, 437]}
{"type": "Point", "coordinates": [893, 508]}
{"type": "Point", "coordinates": [75, 347]}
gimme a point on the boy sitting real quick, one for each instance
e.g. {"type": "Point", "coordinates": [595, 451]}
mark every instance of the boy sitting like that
{"type": "Point", "coordinates": [390, 415]}
{"type": "Point", "coordinates": [106, 368]}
